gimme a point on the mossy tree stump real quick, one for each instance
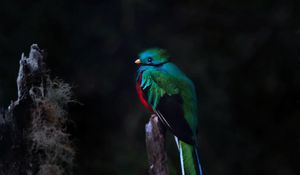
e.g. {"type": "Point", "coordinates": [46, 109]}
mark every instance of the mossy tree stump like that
{"type": "Point", "coordinates": [33, 139]}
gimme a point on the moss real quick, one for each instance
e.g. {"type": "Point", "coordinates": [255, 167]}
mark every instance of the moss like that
{"type": "Point", "coordinates": [50, 146]}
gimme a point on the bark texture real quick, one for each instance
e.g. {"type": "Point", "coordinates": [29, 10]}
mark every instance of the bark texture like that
{"type": "Point", "coordinates": [155, 143]}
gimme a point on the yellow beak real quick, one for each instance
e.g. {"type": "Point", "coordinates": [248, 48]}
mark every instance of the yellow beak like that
{"type": "Point", "coordinates": [138, 61]}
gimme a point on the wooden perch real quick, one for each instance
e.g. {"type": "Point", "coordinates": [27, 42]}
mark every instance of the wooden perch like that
{"type": "Point", "coordinates": [155, 143]}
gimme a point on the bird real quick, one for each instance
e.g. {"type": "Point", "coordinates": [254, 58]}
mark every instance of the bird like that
{"type": "Point", "coordinates": [166, 91]}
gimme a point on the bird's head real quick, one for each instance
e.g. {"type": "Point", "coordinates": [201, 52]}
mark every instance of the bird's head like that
{"type": "Point", "coordinates": [153, 57]}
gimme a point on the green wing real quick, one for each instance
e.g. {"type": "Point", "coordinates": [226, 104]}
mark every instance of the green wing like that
{"type": "Point", "coordinates": [163, 94]}
{"type": "Point", "coordinates": [158, 84]}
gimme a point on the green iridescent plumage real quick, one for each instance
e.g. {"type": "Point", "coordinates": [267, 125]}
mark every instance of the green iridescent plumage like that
{"type": "Point", "coordinates": [162, 79]}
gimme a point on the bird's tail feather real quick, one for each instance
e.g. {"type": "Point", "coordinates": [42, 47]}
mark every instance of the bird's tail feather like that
{"type": "Point", "coordinates": [189, 159]}
{"type": "Point", "coordinates": [198, 160]}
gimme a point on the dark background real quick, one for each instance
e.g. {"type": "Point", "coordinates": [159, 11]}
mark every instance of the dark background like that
{"type": "Point", "coordinates": [242, 56]}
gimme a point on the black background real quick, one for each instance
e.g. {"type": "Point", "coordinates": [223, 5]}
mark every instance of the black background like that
{"type": "Point", "coordinates": [243, 57]}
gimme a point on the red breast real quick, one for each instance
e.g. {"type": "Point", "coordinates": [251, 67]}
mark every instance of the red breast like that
{"type": "Point", "coordinates": [141, 94]}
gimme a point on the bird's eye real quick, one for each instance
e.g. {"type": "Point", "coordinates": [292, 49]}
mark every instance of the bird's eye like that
{"type": "Point", "coordinates": [150, 59]}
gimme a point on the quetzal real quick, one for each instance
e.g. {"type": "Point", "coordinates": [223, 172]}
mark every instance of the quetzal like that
{"type": "Point", "coordinates": [166, 91]}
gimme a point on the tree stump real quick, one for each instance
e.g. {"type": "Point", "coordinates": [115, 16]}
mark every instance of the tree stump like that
{"type": "Point", "coordinates": [33, 138]}
{"type": "Point", "coordinates": [155, 143]}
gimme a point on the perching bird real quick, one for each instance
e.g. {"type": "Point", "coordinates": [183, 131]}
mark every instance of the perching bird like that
{"type": "Point", "coordinates": [166, 91]}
